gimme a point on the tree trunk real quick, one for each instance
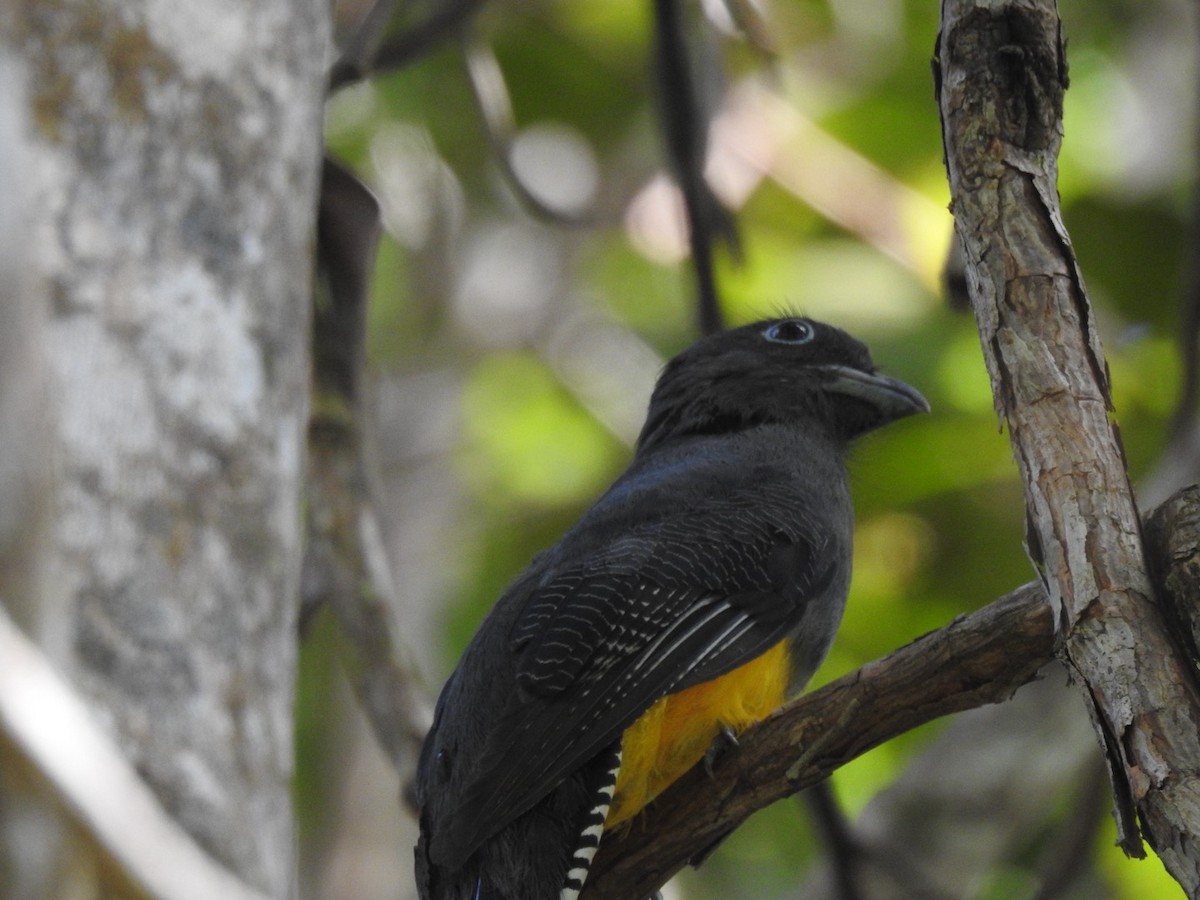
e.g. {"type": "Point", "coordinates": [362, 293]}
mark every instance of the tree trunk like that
{"type": "Point", "coordinates": [174, 154]}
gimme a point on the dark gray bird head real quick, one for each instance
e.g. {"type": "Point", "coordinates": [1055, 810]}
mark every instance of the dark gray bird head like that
{"type": "Point", "coordinates": [784, 371]}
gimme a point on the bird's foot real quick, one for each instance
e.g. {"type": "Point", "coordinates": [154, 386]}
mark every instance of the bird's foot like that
{"type": "Point", "coordinates": [725, 741]}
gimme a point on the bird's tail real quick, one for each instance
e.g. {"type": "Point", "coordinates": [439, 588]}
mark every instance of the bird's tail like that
{"type": "Point", "coordinates": [603, 771]}
{"type": "Point", "coordinates": [609, 764]}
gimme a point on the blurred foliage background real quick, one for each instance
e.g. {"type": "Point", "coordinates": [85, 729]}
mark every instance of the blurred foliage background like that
{"type": "Point", "coordinates": [513, 350]}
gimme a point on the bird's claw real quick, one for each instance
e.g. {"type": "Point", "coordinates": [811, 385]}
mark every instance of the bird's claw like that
{"type": "Point", "coordinates": [725, 740]}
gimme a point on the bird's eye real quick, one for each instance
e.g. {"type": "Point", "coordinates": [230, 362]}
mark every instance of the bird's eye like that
{"type": "Point", "coordinates": [790, 331]}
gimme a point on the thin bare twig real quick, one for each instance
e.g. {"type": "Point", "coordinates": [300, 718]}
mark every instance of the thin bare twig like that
{"type": "Point", "coordinates": [355, 62]}
{"type": "Point", "coordinates": [1072, 849]}
{"type": "Point", "coordinates": [401, 49]}
{"type": "Point", "coordinates": [837, 835]}
{"type": "Point", "coordinates": [685, 127]}
{"type": "Point", "coordinates": [490, 92]}
{"type": "Point", "coordinates": [398, 52]}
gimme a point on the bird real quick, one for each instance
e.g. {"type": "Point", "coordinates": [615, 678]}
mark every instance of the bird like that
{"type": "Point", "coordinates": [697, 594]}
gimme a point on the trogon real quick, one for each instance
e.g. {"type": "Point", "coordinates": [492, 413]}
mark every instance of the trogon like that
{"type": "Point", "coordinates": [698, 593]}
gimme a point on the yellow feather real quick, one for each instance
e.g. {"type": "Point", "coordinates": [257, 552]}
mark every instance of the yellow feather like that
{"type": "Point", "coordinates": [675, 733]}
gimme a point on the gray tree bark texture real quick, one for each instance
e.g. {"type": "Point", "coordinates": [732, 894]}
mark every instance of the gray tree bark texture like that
{"type": "Point", "coordinates": [1002, 74]}
{"type": "Point", "coordinates": [176, 150]}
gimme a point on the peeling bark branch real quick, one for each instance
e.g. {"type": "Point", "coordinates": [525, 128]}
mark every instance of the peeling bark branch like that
{"type": "Point", "coordinates": [1173, 550]}
{"type": "Point", "coordinates": [1000, 86]}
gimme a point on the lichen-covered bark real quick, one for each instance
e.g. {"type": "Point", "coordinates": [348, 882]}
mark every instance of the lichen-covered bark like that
{"type": "Point", "coordinates": [1002, 76]}
{"type": "Point", "coordinates": [176, 150]}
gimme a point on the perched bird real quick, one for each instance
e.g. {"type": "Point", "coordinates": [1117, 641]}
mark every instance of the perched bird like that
{"type": "Point", "coordinates": [698, 593]}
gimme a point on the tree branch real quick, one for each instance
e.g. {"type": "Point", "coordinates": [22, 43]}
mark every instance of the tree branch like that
{"type": "Point", "coordinates": [345, 564]}
{"type": "Point", "coordinates": [1173, 551]}
{"type": "Point", "coordinates": [977, 659]}
{"type": "Point", "coordinates": [841, 846]}
{"type": "Point", "coordinates": [494, 105]}
{"type": "Point", "coordinates": [47, 730]}
{"type": "Point", "coordinates": [685, 129]}
{"type": "Point", "coordinates": [1000, 87]}
{"type": "Point", "coordinates": [370, 53]}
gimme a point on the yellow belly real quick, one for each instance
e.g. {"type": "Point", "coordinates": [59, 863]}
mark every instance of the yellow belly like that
{"type": "Point", "coordinates": [675, 733]}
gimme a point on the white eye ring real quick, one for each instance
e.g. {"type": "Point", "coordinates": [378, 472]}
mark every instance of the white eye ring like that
{"type": "Point", "coordinates": [790, 331]}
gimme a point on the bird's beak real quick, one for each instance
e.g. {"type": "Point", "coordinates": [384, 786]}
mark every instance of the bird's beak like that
{"type": "Point", "coordinates": [891, 397]}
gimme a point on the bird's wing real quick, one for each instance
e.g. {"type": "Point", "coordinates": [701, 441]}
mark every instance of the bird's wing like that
{"type": "Point", "coordinates": [662, 608]}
